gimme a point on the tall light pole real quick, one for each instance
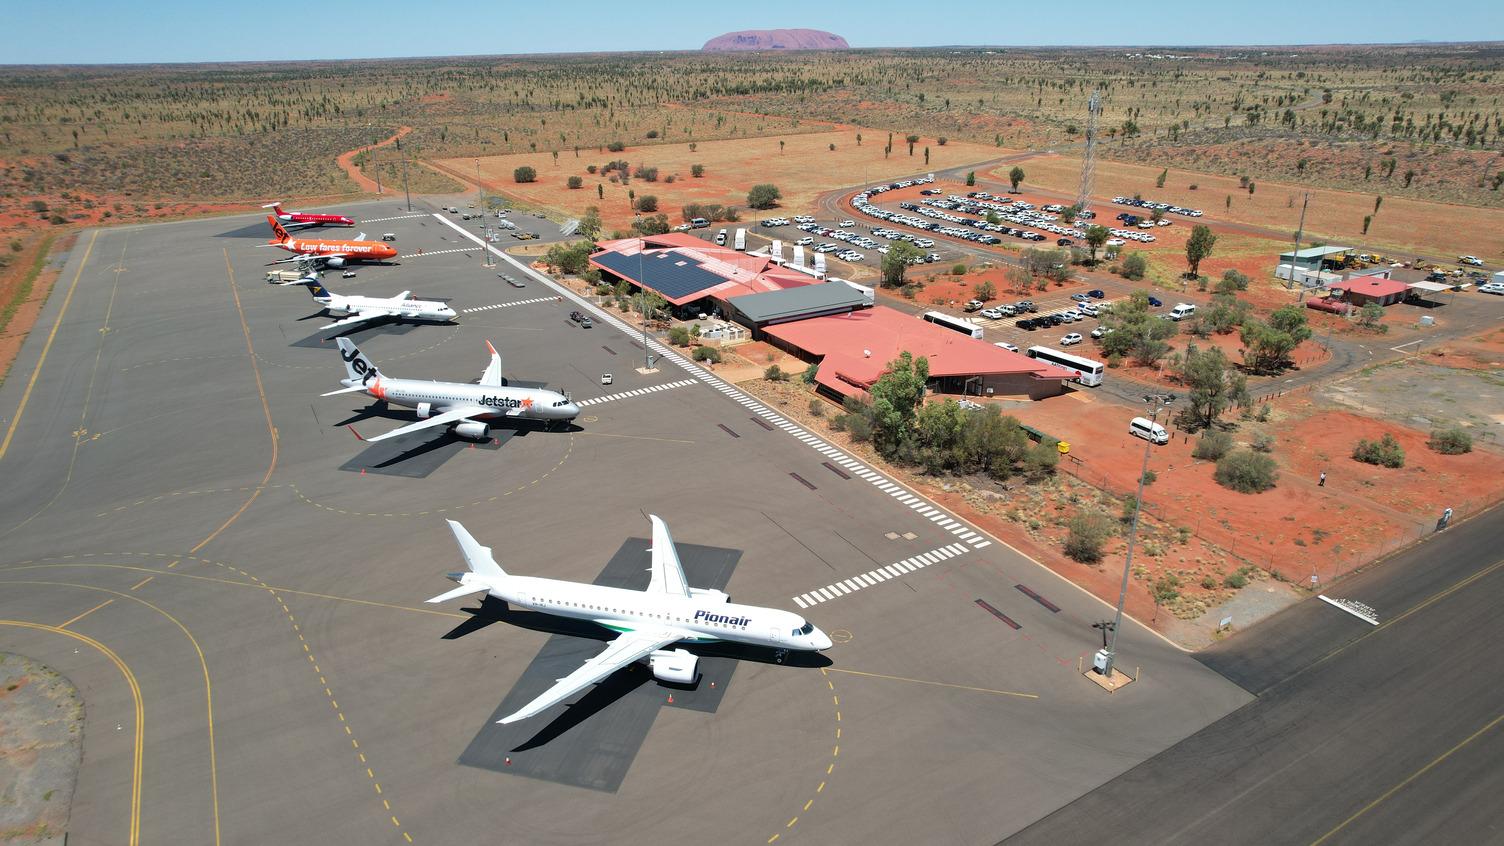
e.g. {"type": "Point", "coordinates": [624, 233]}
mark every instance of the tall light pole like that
{"type": "Point", "coordinates": [1108, 655]}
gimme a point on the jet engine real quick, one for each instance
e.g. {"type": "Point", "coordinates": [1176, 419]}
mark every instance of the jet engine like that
{"type": "Point", "coordinates": [478, 431]}
{"type": "Point", "coordinates": [425, 410]}
{"type": "Point", "coordinates": [335, 261]}
{"type": "Point", "coordinates": [674, 665]}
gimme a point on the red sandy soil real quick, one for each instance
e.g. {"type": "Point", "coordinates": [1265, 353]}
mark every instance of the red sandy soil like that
{"type": "Point", "coordinates": [346, 160]}
{"type": "Point", "coordinates": [1428, 483]}
{"type": "Point", "coordinates": [1191, 561]}
{"type": "Point", "coordinates": [1259, 529]}
{"type": "Point", "coordinates": [25, 317]}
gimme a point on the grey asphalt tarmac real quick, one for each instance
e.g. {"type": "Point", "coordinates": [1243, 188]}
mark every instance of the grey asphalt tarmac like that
{"type": "Point", "coordinates": [1360, 733]}
{"type": "Point", "coordinates": [183, 534]}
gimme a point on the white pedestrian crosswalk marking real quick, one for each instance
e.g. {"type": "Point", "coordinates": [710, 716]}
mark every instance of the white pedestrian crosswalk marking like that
{"type": "Point", "coordinates": [509, 305]}
{"type": "Point", "coordinates": [881, 574]}
{"type": "Point", "coordinates": [635, 393]}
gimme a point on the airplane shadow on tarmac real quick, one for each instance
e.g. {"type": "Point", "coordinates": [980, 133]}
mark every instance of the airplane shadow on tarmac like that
{"type": "Point", "coordinates": [620, 683]}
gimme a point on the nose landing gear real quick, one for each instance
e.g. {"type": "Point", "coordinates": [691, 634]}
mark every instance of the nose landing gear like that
{"type": "Point", "coordinates": [780, 654]}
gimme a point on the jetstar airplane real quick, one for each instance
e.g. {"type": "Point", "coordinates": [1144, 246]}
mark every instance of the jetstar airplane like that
{"type": "Point", "coordinates": [668, 612]}
{"type": "Point", "coordinates": [459, 404]}
{"type": "Point", "coordinates": [292, 219]}
{"type": "Point", "coordinates": [366, 309]}
{"type": "Point", "coordinates": [331, 253]}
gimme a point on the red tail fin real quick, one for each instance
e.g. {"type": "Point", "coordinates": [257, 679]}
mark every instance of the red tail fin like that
{"type": "Point", "coordinates": [277, 229]}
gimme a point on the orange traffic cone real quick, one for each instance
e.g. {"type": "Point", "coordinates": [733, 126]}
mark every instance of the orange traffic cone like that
{"type": "Point", "coordinates": [670, 699]}
{"type": "Point", "coordinates": [507, 761]}
{"type": "Point", "coordinates": [362, 471]}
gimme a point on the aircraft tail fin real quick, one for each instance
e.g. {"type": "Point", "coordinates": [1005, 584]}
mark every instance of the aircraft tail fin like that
{"type": "Point", "coordinates": [277, 229]}
{"type": "Point", "coordinates": [358, 368]}
{"type": "Point", "coordinates": [316, 287]}
{"type": "Point", "coordinates": [275, 206]}
{"type": "Point", "coordinates": [476, 556]}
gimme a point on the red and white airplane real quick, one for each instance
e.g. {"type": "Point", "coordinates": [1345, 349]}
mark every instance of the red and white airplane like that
{"type": "Point", "coordinates": [330, 253]}
{"type": "Point", "coordinates": [297, 220]}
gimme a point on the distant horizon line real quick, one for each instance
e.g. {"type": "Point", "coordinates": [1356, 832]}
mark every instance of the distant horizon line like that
{"type": "Point", "coordinates": [1019, 47]}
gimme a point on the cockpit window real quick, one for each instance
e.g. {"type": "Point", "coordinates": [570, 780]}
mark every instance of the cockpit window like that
{"type": "Point", "coordinates": [806, 628]}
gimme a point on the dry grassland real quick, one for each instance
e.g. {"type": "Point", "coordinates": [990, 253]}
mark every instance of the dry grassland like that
{"type": "Point", "coordinates": [1406, 225]}
{"type": "Point", "coordinates": [803, 167]}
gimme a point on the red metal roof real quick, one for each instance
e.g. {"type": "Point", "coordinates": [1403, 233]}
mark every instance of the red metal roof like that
{"type": "Point", "coordinates": [1373, 286]}
{"type": "Point", "coordinates": [856, 347]}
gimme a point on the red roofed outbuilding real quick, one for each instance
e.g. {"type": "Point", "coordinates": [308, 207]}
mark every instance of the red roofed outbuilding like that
{"type": "Point", "coordinates": [1362, 290]}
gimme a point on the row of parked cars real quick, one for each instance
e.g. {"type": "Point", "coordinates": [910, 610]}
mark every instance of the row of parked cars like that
{"type": "Point", "coordinates": [1139, 202]}
{"type": "Point", "coordinates": [1025, 214]}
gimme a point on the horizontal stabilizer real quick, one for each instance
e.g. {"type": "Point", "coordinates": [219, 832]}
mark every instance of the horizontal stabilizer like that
{"type": "Point", "coordinates": [462, 590]}
{"type": "Point", "coordinates": [349, 390]}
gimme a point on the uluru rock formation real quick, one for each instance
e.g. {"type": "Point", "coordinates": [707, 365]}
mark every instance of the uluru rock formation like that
{"type": "Point", "coordinates": [775, 39]}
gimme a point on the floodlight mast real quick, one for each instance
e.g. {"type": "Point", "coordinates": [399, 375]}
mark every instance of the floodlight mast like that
{"type": "Point", "coordinates": [1106, 658]}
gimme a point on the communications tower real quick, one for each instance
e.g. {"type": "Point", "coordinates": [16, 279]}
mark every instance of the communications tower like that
{"type": "Point", "coordinates": [1089, 160]}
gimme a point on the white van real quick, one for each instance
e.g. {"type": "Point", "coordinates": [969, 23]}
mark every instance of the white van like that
{"type": "Point", "coordinates": [1181, 311]}
{"type": "Point", "coordinates": [720, 238]}
{"type": "Point", "coordinates": [1143, 427]}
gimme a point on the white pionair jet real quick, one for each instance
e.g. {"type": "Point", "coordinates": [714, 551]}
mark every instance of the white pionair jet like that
{"type": "Point", "coordinates": [357, 310]}
{"type": "Point", "coordinates": [463, 405]}
{"type": "Point", "coordinates": [668, 612]}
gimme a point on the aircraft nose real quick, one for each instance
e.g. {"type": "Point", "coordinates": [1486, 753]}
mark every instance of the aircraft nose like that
{"type": "Point", "coordinates": [571, 411]}
{"type": "Point", "coordinates": [821, 640]}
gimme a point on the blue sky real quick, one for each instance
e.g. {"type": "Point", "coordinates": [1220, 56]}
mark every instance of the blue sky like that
{"type": "Point", "coordinates": [94, 31]}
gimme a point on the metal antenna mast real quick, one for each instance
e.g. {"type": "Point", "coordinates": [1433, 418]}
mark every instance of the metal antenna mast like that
{"type": "Point", "coordinates": [1089, 161]}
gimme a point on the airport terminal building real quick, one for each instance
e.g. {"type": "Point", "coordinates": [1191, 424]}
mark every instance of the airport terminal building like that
{"type": "Point", "coordinates": [832, 323]}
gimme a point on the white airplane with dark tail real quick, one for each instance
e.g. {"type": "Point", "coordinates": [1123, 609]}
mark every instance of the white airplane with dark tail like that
{"type": "Point", "coordinates": [464, 406]}
{"type": "Point", "coordinates": [667, 613]}
{"type": "Point", "coordinates": [357, 309]}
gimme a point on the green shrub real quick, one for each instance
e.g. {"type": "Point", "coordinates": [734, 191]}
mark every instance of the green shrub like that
{"type": "Point", "coordinates": [1263, 442]}
{"type": "Point", "coordinates": [710, 354]}
{"type": "Point", "coordinates": [809, 374]}
{"type": "Point", "coordinates": [1385, 452]}
{"type": "Point", "coordinates": [525, 174]}
{"type": "Point", "coordinates": [1134, 266]}
{"type": "Point", "coordinates": [616, 146]}
{"type": "Point", "coordinates": [1041, 460]}
{"type": "Point", "coordinates": [575, 182]}
{"type": "Point", "coordinates": [679, 336]}
{"type": "Point", "coordinates": [1246, 471]}
{"type": "Point", "coordinates": [774, 373]}
{"type": "Point", "coordinates": [1209, 582]}
{"type": "Point", "coordinates": [1088, 536]}
{"type": "Point", "coordinates": [1212, 445]}
{"type": "Point", "coordinates": [1149, 477]}
{"type": "Point", "coordinates": [1235, 579]}
{"type": "Point", "coordinates": [1452, 441]}
{"type": "Point", "coordinates": [697, 170]}
{"type": "Point", "coordinates": [817, 407]}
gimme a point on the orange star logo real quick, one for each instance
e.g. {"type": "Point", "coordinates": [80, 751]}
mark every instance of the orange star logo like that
{"type": "Point", "coordinates": [527, 403]}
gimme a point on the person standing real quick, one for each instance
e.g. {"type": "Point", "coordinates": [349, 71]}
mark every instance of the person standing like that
{"type": "Point", "coordinates": [1321, 482]}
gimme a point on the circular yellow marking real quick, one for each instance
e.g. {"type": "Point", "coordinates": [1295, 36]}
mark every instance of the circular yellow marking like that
{"type": "Point", "coordinates": [841, 636]}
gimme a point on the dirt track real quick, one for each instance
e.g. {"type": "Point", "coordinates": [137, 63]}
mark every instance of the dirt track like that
{"type": "Point", "coordinates": [346, 161]}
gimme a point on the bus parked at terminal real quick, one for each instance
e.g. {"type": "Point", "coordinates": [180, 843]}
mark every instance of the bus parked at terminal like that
{"type": "Point", "coordinates": [958, 324]}
{"type": "Point", "coordinates": [1088, 372]}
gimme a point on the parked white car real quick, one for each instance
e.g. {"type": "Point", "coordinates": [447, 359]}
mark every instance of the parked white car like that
{"type": "Point", "coordinates": [1070, 340]}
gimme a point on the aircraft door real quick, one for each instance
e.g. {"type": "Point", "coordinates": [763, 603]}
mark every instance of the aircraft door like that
{"type": "Point", "coordinates": [775, 634]}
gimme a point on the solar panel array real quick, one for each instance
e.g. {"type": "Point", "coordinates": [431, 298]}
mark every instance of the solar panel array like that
{"type": "Point", "coordinates": [669, 273]}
